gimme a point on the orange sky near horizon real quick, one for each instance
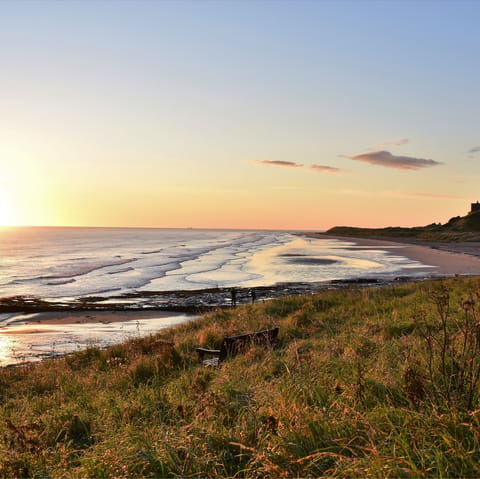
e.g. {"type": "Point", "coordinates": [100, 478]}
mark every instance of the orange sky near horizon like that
{"type": "Point", "coordinates": [247, 115]}
{"type": "Point", "coordinates": [140, 205]}
{"type": "Point", "coordinates": [38, 189]}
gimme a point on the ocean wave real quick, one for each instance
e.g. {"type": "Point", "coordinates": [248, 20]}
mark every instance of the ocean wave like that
{"type": "Point", "coordinates": [102, 291]}
{"type": "Point", "coordinates": [57, 283]}
{"type": "Point", "coordinates": [71, 274]}
{"type": "Point", "coordinates": [77, 263]}
{"type": "Point", "coordinates": [120, 271]}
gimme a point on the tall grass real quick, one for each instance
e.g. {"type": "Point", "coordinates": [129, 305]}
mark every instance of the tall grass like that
{"type": "Point", "coordinates": [364, 383]}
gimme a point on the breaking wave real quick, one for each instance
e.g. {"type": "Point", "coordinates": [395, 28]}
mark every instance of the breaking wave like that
{"type": "Point", "coordinates": [76, 262]}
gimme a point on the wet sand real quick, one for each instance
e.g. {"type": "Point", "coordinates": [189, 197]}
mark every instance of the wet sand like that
{"type": "Point", "coordinates": [448, 258]}
{"type": "Point", "coordinates": [83, 317]}
{"type": "Point", "coordinates": [32, 337]}
{"type": "Point", "coordinates": [442, 259]}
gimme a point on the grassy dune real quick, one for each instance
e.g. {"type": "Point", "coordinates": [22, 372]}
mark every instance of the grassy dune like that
{"type": "Point", "coordinates": [422, 234]}
{"type": "Point", "coordinates": [364, 383]}
{"type": "Point", "coordinates": [457, 229]}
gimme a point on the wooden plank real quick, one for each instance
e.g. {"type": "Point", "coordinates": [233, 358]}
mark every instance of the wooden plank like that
{"type": "Point", "coordinates": [232, 345]}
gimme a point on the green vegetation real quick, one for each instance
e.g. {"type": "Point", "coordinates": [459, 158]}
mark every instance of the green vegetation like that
{"type": "Point", "coordinates": [373, 382]}
{"type": "Point", "coordinates": [466, 228]}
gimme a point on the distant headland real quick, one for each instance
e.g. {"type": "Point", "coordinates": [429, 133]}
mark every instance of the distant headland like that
{"type": "Point", "coordinates": [458, 228]}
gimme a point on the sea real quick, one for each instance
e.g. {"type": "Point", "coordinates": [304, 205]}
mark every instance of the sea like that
{"type": "Point", "coordinates": [70, 263]}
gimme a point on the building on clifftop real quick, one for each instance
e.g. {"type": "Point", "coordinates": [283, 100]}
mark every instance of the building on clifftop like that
{"type": "Point", "coordinates": [475, 207]}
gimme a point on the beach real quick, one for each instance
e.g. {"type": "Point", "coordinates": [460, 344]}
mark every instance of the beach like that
{"type": "Point", "coordinates": [33, 327]}
{"type": "Point", "coordinates": [36, 336]}
{"type": "Point", "coordinates": [462, 258]}
{"type": "Point", "coordinates": [56, 318]}
{"type": "Point", "coordinates": [441, 259]}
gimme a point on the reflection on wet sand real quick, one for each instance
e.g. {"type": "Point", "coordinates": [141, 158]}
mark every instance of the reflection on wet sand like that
{"type": "Point", "coordinates": [34, 337]}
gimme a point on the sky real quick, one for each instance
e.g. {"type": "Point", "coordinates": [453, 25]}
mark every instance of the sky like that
{"type": "Point", "coordinates": [238, 114]}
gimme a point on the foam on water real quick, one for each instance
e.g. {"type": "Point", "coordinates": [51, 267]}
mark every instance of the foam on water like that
{"type": "Point", "coordinates": [68, 263]}
{"type": "Point", "coordinates": [75, 262]}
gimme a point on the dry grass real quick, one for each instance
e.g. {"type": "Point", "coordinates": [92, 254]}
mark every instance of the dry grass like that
{"type": "Point", "coordinates": [364, 383]}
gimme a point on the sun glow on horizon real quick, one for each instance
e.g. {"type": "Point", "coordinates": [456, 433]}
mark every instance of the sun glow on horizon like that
{"type": "Point", "coordinates": [8, 216]}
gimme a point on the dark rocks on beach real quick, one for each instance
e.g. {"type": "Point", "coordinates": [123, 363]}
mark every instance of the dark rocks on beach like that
{"type": "Point", "coordinates": [183, 301]}
{"type": "Point", "coordinates": [356, 281]}
{"type": "Point", "coordinates": [186, 301]}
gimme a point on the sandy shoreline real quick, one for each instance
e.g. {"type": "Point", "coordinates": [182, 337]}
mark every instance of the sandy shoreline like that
{"type": "Point", "coordinates": [86, 317]}
{"type": "Point", "coordinates": [31, 337]}
{"type": "Point", "coordinates": [448, 258]}
{"type": "Point", "coordinates": [445, 259]}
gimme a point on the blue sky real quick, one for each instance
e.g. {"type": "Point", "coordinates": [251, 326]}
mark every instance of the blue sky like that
{"type": "Point", "coordinates": [193, 113]}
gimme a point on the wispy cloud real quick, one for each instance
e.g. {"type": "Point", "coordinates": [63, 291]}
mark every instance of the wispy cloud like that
{"type": "Point", "coordinates": [401, 194]}
{"type": "Point", "coordinates": [288, 164]}
{"type": "Point", "coordinates": [323, 168]}
{"type": "Point", "coordinates": [434, 196]}
{"type": "Point", "coordinates": [291, 164]}
{"type": "Point", "coordinates": [474, 150]}
{"type": "Point", "coordinates": [385, 158]}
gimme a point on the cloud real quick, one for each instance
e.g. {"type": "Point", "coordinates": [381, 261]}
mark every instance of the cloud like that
{"type": "Point", "coordinates": [385, 158]}
{"type": "Point", "coordinates": [401, 194]}
{"type": "Point", "coordinates": [323, 168]}
{"type": "Point", "coordinates": [475, 149]}
{"type": "Point", "coordinates": [434, 196]}
{"type": "Point", "coordinates": [291, 164]}
{"type": "Point", "coordinates": [399, 142]}
{"type": "Point", "coordinates": [288, 164]}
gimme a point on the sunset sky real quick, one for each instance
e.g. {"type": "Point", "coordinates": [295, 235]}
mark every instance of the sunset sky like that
{"type": "Point", "coordinates": [238, 114]}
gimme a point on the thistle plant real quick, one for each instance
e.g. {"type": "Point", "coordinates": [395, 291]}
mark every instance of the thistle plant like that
{"type": "Point", "coordinates": [451, 340]}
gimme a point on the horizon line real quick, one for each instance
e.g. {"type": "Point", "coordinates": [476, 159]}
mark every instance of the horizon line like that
{"type": "Point", "coordinates": [163, 228]}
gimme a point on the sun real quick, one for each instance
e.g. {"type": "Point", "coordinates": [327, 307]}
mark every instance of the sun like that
{"type": "Point", "coordinates": [7, 209]}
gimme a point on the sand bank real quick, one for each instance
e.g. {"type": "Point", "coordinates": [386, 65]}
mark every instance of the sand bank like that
{"type": "Point", "coordinates": [86, 317]}
{"type": "Point", "coordinates": [447, 259]}
{"type": "Point", "coordinates": [33, 337]}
